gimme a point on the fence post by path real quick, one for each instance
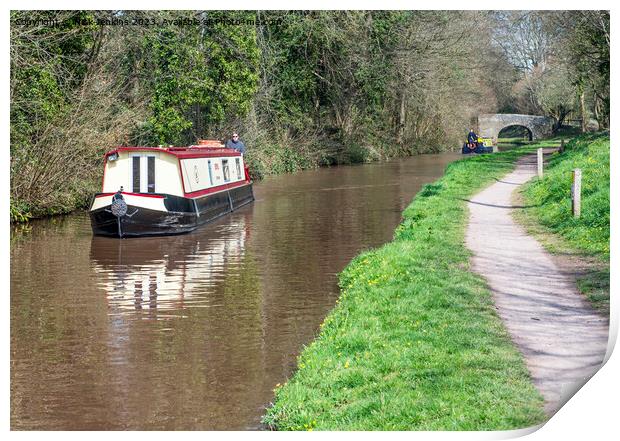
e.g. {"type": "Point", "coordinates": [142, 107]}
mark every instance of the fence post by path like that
{"type": "Point", "coordinates": [576, 192]}
{"type": "Point", "coordinates": [562, 146]}
{"type": "Point", "coordinates": [540, 163]}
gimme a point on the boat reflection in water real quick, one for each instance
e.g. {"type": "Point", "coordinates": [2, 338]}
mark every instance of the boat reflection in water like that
{"type": "Point", "coordinates": [166, 273]}
{"type": "Point", "coordinates": [187, 313]}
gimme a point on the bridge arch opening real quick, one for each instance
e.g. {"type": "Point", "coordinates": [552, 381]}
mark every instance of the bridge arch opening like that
{"type": "Point", "coordinates": [515, 133]}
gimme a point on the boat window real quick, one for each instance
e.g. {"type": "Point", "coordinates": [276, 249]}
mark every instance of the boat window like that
{"type": "Point", "coordinates": [238, 163]}
{"type": "Point", "coordinates": [210, 175]}
{"type": "Point", "coordinates": [151, 174]}
{"type": "Point", "coordinates": [225, 170]}
{"type": "Point", "coordinates": [136, 174]}
{"type": "Point", "coordinates": [143, 174]}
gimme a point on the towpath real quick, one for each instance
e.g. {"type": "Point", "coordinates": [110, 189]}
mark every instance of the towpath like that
{"type": "Point", "coordinates": [561, 337]}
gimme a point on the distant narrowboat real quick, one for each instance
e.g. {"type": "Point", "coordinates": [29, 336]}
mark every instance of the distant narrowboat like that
{"type": "Point", "coordinates": [155, 191]}
{"type": "Point", "coordinates": [484, 145]}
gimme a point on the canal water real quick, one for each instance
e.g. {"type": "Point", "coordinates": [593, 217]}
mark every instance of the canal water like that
{"type": "Point", "coordinates": [191, 332]}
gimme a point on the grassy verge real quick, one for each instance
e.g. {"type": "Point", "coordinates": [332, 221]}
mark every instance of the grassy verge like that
{"type": "Point", "coordinates": [583, 242]}
{"type": "Point", "coordinates": [414, 342]}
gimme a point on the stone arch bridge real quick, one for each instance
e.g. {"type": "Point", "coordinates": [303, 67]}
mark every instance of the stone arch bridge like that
{"type": "Point", "coordinates": [489, 125]}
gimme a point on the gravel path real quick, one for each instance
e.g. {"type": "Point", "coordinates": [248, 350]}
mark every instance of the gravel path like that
{"type": "Point", "coordinates": [561, 337]}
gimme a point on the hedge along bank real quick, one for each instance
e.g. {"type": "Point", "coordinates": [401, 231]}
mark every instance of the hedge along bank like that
{"type": "Point", "coordinates": [414, 342]}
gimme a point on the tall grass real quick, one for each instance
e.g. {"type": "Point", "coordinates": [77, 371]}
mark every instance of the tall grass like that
{"type": "Point", "coordinates": [551, 196]}
{"type": "Point", "coordinates": [414, 342]}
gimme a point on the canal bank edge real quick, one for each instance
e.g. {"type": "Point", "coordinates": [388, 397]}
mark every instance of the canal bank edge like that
{"type": "Point", "coordinates": [414, 342]}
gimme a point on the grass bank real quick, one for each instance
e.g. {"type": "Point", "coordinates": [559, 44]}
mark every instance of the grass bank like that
{"type": "Point", "coordinates": [414, 342]}
{"type": "Point", "coordinates": [549, 217]}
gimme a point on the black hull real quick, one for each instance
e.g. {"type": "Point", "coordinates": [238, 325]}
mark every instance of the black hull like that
{"type": "Point", "coordinates": [478, 149]}
{"type": "Point", "coordinates": [183, 216]}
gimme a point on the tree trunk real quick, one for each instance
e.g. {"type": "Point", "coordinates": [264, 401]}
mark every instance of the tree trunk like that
{"type": "Point", "coordinates": [401, 119]}
{"type": "Point", "coordinates": [597, 111]}
{"type": "Point", "coordinates": [584, 114]}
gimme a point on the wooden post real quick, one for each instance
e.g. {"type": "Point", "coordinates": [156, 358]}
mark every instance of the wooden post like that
{"type": "Point", "coordinates": [576, 192]}
{"type": "Point", "coordinates": [540, 163]}
{"type": "Point", "coordinates": [562, 146]}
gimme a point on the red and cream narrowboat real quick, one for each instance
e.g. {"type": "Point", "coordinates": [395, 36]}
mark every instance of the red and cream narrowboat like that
{"type": "Point", "coordinates": [172, 190]}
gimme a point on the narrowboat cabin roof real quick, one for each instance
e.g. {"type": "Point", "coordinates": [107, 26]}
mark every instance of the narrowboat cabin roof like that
{"type": "Point", "coordinates": [206, 148]}
{"type": "Point", "coordinates": [181, 152]}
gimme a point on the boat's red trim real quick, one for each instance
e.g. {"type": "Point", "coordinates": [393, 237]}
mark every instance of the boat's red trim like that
{"type": "Point", "coordinates": [181, 152]}
{"type": "Point", "coordinates": [205, 153]}
{"type": "Point", "coordinates": [144, 195]}
{"type": "Point", "coordinates": [194, 194]}
{"type": "Point", "coordinates": [207, 191]}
